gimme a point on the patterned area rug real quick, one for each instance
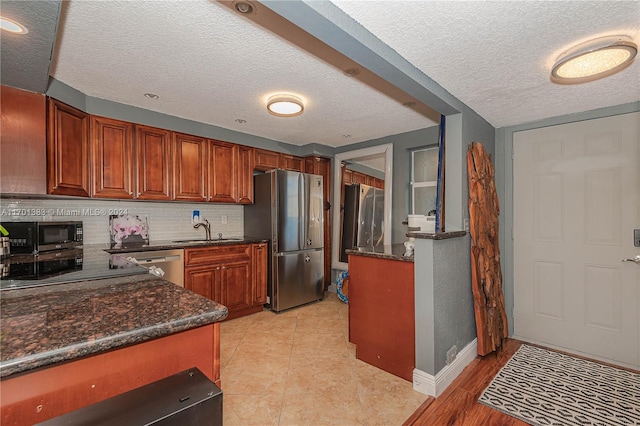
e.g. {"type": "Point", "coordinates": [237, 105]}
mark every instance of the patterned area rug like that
{"type": "Point", "coordinates": [541, 387]}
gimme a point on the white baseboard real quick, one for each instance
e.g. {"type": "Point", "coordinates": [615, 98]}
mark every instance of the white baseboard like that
{"type": "Point", "coordinates": [434, 385]}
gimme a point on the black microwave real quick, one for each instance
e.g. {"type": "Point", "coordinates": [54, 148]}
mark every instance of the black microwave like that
{"type": "Point", "coordinates": [37, 237]}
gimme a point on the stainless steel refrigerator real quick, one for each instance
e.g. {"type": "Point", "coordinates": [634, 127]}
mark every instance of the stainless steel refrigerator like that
{"type": "Point", "coordinates": [363, 218]}
{"type": "Point", "coordinates": [287, 209]}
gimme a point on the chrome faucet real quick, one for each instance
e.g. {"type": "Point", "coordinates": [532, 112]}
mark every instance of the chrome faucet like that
{"type": "Point", "coordinates": [207, 228]}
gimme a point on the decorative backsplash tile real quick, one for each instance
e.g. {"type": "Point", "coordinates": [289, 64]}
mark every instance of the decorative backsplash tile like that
{"type": "Point", "coordinates": [167, 221]}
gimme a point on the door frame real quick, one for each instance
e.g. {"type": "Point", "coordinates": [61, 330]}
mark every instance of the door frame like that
{"type": "Point", "coordinates": [504, 186]}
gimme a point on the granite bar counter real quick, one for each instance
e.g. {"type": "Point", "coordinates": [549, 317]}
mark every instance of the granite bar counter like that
{"type": "Point", "coordinates": [45, 325]}
{"type": "Point", "coordinates": [390, 252]}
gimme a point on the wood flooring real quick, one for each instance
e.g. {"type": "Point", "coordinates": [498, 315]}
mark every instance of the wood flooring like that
{"type": "Point", "coordinates": [458, 405]}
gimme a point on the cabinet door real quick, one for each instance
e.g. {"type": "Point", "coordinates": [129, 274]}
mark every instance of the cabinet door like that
{"type": "Point", "coordinates": [153, 164]}
{"type": "Point", "coordinates": [112, 158]}
{"type": "Point", "coordinates": [266, 160]}
{"type": "Point", "coordinates": [245, 175]}
{"type": "Point", "coordinates": [223, 172]}
{"type": "Point", "coordinates": [347, 177]}
{"type": "Point", "coordinates": [259, 258]}
{"type": "Point", "coordinates": [291, 162]}
{"type": "Point", "coordinates": [189, 167]}
{"type": "Point", "coordinates": [203, 281]}
{"type": "Point", "coordinates": [236, 285]}
{"type": "Point", "coordinates": [23, 142]}
{"type": "Point", "coordinates": [67, 150]}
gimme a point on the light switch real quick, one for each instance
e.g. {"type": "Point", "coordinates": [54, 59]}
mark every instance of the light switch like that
{"type": "Point", "coordinates": [636, 237]}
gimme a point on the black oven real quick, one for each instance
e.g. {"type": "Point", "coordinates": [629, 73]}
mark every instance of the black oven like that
{"type": "Point", "coordinates": [37, 237]}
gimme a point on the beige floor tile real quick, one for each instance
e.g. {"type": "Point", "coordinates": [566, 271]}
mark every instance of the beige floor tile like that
{"type": "Point", "coordinates": [228, 344]}
{"type": "Point", "coordinates": [272, 346]}
{"type": "Point", "coordinates": [322, 310]}
{"type": "Point", "coordinates": [320, 409]}
{"type": "Point", "coordinates": [372, 380]}
{"type": "Point", "coordinates": [336, 376]}
{"type": "Point", "coordinates": [237, 325]}
{"type": "Point", "coordinates": [298, 368]}
{"type": "Point", "coordinates": [256, 376]}
{"type": "Point", "coordinates": [314, 325]}
{"type": "Point", "coordinates": [319, 345]}
{"type": "Point", "coordinates": [249, 410]}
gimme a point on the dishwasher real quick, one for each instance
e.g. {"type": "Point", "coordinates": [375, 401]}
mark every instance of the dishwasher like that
{"type": "Point", "coordinates": [171, 262]}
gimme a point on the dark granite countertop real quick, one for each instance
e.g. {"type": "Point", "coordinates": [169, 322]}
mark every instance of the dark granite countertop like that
{"type": "Point", "coordinates": [391, 252]}
{"type": "Point", "coordinates": [437, 236]}
{"type": "Point", "coordinates": [170, 245]}
{"type": "Point", "coordinates": [41, 326]}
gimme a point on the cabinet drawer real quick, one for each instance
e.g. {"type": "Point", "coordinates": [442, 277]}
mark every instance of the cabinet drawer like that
{"type": "Point", "coordinates": [214, 255]}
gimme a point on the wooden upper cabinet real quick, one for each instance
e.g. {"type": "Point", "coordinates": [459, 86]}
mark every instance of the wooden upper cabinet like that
{"type": "Point", "coordinates": [153, 163]}
{"type": "Point", "coordinates": [266, 160]}
{"type": "Point", "coordinates": [245, 175]}
{"type": "Point", "coordinates": [223, 172]}
{"type": "Point", "coordinates": [189, 167]}
{"type": "Point", "coordinates": [291, 162]}
{"type": "Point", "coordinates": [112, 158]}
{"type": "Point", "coordinates": [67, 150]}
{"type": "Point", "coordinates": [23, 142]}
{"type": "Point", "coordinates": [347, 177]}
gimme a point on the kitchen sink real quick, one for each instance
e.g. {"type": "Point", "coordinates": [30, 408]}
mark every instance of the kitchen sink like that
{"type": "Point", "coordinates": [204, 241]}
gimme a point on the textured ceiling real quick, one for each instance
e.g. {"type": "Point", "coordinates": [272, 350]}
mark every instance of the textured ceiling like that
{"type": "Point", "coordinates": [496, 56]}
{"type": "Point", "coordinates": [211, 65]}
{"type": "Point", "coordinates": [24, 60]}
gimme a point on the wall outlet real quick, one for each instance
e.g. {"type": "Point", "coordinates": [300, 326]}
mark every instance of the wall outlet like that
{"type": "Point", "coordinates": [466, 224]}
{"type": "Point", "coordinates": [225, 219]}
{"type": "Point", "coordinates": [451, 354]}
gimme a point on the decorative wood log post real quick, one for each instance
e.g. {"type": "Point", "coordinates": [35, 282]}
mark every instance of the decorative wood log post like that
{"type": "Point", "coordinates": [486, 276]}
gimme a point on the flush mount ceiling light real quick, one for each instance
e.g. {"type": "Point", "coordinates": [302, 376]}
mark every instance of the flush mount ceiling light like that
{"type": "Point", "coordinates": [285, 105]}
{"type": "Point", "coordinates": [151, 96]}
{"type": "Point", "coordinates": [12, 26]}
{"type": "Point", "coordinates": [594, 59]}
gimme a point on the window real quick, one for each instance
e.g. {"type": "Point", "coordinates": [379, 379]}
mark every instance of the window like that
{"type": "Point", "coordinates": [424, 180]}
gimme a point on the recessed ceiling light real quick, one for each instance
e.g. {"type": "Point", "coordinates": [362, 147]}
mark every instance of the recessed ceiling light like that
{"type": "Point", "coordinates": [244, 7]}
{"type": "Point", "coordinates": [151, 96]}
{"type": "Point", "coordinates": [594, 59]}
{"type": "Point", "coordinates": [12, 26]}
{"type": "Point", "coordinates": [240, 120]}
{"type": "Point", "coordinates": [352, 72]}
{"type": "Point", "coordinates": [346, 136]}
{"type": "Point", "coordinates": [285, 105]}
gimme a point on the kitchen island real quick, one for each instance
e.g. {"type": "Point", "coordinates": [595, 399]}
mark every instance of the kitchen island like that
{"type": "Point", "coordinates": [381, 308]}
{"type": "Point", "coordinates": [68, 345]}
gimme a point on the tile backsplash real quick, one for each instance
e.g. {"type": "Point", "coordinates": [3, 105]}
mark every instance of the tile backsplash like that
{"type": "Point", "coordinates": [167, 221]}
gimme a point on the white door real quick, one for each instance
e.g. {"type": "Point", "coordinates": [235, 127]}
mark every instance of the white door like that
{"type": "Point", "coordinates": [576, 203]}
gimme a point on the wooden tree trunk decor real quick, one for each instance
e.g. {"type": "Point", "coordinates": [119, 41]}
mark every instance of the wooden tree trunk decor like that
{"type": "Point", "coordinates": [486, 276]}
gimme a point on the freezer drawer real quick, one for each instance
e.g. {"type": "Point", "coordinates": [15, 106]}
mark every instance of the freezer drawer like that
{"type": "Point", "coordinates": [298, 279]}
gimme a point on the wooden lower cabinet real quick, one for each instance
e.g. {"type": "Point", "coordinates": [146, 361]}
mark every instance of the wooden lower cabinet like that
{"type": "Point", "coordinates": [387, 340]}
{"type": "Point", "coordinates": [259, 253]}
{"type": "Point", "coordinates": [52, 391]}
{"type": "Point", "coordinates": [232, 275]}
